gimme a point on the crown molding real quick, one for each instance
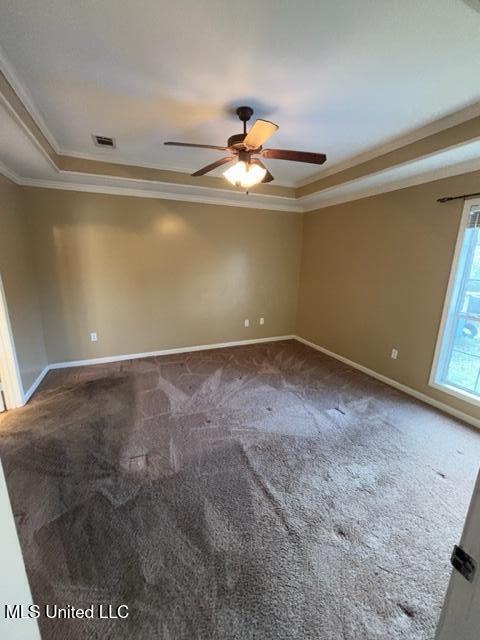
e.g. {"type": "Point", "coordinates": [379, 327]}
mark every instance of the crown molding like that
{"type": "Point", "coordinates": [359, 189]}
{"type": "Point", "coordinates": [167, 191]}
{"type": "Point", "coordinates": [414, 135]}
{"type": "Point", "coordinates": [8, 173]}
{"type": "Point", "coordinates": [18, 119]}
{"type": "Point", "coordinates": [25, 97]}
{"type": "Point", "coordinates": [347, 192]}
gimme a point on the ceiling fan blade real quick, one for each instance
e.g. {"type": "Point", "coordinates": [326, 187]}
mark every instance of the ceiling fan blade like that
{"type": "Point", "coordinates": [259, 133]}
{"type": "Point", "coordinates": [268, 176]}
{"type": "Point", "coordinates": [294, 156]}
{"type": "Point", "coordinates": [212, 166]}
{"type": "Point", "coordinates": [199, 146]}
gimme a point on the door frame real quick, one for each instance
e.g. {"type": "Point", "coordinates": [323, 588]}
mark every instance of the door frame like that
{"type": "Point", "coordinates": [9, 370]}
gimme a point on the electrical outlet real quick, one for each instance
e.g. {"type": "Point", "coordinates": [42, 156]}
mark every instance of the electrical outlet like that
{"type": "Point", "coordinates": [247, 323]}
{"type": "Point", "coordinates": [262, 320]}
{"type": "Point", "coordinates": [93, 336]}
{"type": "Point", "coordinates": [394, 354]}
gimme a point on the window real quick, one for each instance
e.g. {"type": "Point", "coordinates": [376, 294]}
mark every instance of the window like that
{"type": "Point", "coordinates": [456, 366]}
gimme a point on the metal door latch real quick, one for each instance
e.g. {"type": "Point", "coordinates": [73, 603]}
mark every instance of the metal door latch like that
{"type": "Point", "coordinates": [463, 563]}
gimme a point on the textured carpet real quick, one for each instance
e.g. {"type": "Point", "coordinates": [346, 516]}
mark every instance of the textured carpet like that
{"type": "Point", "coordinates": [254, 493]}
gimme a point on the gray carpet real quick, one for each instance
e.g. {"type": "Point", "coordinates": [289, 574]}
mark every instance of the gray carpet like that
{"type": "Point", "coordinates": [253, 493]}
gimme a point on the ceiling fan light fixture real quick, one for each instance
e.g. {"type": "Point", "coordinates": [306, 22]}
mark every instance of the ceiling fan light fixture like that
{"type": "Point", "coordinates": [248, 171]}
{"type": "Point", "coordinates": [245, 175]}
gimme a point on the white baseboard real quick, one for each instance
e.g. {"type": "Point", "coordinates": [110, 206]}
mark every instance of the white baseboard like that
{"type": "Point", "coordinates": [219, 345]}
{"type": "Point", "coordinates": [29, 393]}
{"type": "Point", "coordinates": [475, 422]}
{"type": "Point", "coordinates": [164, 352]}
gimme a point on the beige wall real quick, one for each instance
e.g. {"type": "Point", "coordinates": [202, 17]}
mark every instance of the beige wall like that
{"type": "Point", "coordinates": [147, 274]}
{"type": "Point", "coordinates": [374, 276]}
{"type": "Point", "coordinates": [20, 288]}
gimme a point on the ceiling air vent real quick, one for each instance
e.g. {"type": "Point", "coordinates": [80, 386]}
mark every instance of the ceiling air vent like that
{"type": "Point", "coordinates": [104, 141]}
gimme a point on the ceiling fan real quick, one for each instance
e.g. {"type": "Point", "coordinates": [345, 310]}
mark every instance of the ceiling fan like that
{"type": "Point", "coordinates": [249, 170]}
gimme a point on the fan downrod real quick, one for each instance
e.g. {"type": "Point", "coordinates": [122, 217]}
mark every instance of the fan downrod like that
{"type": "Point", "coordinates": [236, 141]}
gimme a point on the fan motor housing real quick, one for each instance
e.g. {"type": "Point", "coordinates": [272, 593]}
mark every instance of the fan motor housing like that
{"type": "Point", "coordinates": [236, 141]}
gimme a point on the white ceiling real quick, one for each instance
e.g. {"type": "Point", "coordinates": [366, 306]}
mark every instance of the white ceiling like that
{"type": "Point", "coordinates": [339, 77]}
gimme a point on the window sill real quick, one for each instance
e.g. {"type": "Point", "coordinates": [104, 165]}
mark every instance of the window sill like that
{"type": "Point", "coordinates": [467, 397]}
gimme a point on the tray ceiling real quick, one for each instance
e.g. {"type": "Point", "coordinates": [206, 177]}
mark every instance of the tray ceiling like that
{"type": "Point", "coordinates": [345, 78]}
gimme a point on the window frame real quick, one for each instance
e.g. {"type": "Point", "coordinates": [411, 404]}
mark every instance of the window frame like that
{"type": "Point", "coordinates": [466, 396]}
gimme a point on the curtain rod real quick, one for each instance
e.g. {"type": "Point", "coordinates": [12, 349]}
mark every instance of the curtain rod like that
{"type": "Point", "coordinates": [465, 195]}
